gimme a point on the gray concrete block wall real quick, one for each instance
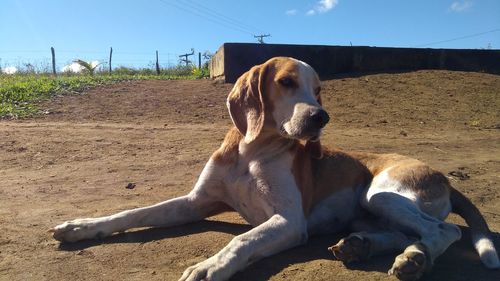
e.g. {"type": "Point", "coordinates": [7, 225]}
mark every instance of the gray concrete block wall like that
{"type": "Point", "coordinates": [233, 59]}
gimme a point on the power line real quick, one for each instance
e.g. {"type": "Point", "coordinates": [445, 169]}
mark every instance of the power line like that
{"type": "Point", "coordinates": [213, 15]}
{"type": "Point", "coordinates": [226, 18]}
{"type": "Point", "coordinates": [212, 19]}
{"type": "Point", "coordinates": [457, 38]}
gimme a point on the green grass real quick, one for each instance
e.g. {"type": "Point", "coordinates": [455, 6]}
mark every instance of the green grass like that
{"type": "Point", "coordinates": [19, 93]}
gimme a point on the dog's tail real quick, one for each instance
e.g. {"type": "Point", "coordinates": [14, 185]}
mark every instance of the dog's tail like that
{"type": "Point", "coordinates": [481, 235]}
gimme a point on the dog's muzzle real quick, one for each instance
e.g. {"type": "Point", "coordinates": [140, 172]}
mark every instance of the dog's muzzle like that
{"type": "Point", "coordinates": [306, 123]}
{"type": "Point", "coordinates": [316, 121]}
{"type": "Point", "coordinates": [320, 118]}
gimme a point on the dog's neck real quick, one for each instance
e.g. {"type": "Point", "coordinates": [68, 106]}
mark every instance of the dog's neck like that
{"type": "Point", "coordinates": [267, 145]}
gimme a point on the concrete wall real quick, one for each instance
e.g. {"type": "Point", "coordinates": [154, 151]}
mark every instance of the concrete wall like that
{"type": "Point", "coordinates": [233, 59]}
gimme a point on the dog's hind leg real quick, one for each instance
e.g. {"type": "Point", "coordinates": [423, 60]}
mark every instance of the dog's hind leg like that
{"type": "Point", "coordinates": [360, 246]}
{"type": "Point", "coordinates": [198, 204]}
{"type": "Point", "coordinates": [435, 235]}
{"type": "Point", "coordinates": [401, 209]}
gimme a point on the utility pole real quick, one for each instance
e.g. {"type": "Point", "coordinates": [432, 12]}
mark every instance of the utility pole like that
{"type": "Point", "coordinates": [53, 61]}
{"type": "Point", "coordinates": [261, 37]}
{"type": "Point", "coordinates": [157, 64]}
{"type": "Point", "coordinates": [185, 59]}
{"type": "Point", "coordinates": [110, 57]}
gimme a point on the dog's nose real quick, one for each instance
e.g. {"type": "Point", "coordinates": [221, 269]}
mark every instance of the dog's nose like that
{"type": "Point", "coordinates": [320, 117]}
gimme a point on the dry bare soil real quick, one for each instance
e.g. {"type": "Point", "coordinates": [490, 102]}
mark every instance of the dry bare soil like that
{"type": "Point", "coordinates": [77, 160]}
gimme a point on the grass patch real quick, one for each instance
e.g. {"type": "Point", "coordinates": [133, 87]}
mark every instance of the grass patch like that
{"type": "Point", "coordinates": [19, 93]}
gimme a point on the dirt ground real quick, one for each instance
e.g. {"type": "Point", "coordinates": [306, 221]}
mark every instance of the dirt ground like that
{"type": "Point", "coordinates": [77, 160]}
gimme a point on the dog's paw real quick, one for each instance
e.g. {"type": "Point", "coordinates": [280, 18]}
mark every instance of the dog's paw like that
{"type": "Point", "coordinates": [411, 264]}
{"type": "Point", "coordinates": [79, 229]}
{"type": "Point", "coordinates": [208, 270]}
{"type": "Point", "coordinates": [351, 249]}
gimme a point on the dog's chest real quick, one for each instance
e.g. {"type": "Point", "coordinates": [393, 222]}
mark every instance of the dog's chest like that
{"type": "Point", "coordinates": [259, 189]}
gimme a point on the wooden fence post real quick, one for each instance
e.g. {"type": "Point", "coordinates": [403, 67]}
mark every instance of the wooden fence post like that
{"type": "Point", "coordinates": [53, 60]}
{"type": "Point", "coordinates": [110, 56]}
{"type": "Point", "coordinates": [157, 64]}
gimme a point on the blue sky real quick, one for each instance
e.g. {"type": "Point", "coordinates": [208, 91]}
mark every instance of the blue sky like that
{"type": "Point", "coordinates": [86, 29]}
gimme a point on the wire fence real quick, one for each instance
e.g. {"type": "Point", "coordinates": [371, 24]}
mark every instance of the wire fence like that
{"type": "Point", "coordinates": [41, 61]}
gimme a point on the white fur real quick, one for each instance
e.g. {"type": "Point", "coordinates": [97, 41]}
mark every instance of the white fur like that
{"type": "Point", "coordinates": [384, 183]}
{"type": "Point", "coordinates": [486, 250]}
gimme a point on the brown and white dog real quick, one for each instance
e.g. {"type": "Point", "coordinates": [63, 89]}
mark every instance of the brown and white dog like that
{"type": "Point", "coordinates": [272, 169]}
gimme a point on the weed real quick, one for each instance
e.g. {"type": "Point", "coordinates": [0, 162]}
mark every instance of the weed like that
{"type": "Point", "coordinates": [19, 93]}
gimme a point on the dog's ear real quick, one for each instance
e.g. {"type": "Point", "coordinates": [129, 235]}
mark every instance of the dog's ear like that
{"type": "Point", "coordinates": [246, 104]}
{"type": "Point", "coordinates": [314, 148]}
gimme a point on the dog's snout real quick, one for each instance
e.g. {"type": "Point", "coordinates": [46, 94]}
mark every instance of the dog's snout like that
{"type": "Point", "coordinates": [320, 117]}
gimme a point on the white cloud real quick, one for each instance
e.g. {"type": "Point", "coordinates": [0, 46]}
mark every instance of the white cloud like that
{"type": "Point", "coordinates": [291, 12]}
{"type": "Point", "coordinates": [94, 63]}
{"type": "Point", "coordinates": [322, 6]}
{"type": "Point", "coordinates": [326, 5]}
{"type": "Point", "coordinates": [460, 6]}
{"type": "Point", "coordinates": [9, 70]}
{"type": "Point", "coordinates": [77, 68]}
{"type": "Point", "coordinates": [74, 67]}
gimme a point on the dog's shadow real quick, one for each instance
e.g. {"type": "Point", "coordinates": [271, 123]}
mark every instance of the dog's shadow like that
{"type": "Point", "coordinates": [154, 234]}
{"type": "Point", "coordinates": [459, 262]}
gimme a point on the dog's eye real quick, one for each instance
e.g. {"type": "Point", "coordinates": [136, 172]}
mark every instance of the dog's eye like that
{"type": "Point", "coordinates": [287, 82]}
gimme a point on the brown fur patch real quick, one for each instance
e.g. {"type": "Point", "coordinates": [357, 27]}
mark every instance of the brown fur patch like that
{"type": "Point", "coordinates": [303, 173]}
{"type": "Point", "coordinates": [318, 178]}
{"type": "Point", "coordinates": [428, 183]}
{"type": "Point", "coordinates": [227, 153]}
{"type": "Point", "coordinates": [245, 102]}
{"type": "Point", "coordinates": [411, 173]}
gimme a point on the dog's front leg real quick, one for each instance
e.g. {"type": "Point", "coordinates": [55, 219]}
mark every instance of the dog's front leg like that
{"type": "Point", "coordinates": [198, 204]}
{"type": "Point", "coordinates": [275, 235]}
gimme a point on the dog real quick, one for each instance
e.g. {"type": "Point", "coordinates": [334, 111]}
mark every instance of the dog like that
{"type": "Point", "coordinates": [272, 169]}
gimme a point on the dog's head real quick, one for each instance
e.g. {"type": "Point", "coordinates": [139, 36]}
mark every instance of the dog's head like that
{"type": "Point", "coordinates": [282, 96]}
